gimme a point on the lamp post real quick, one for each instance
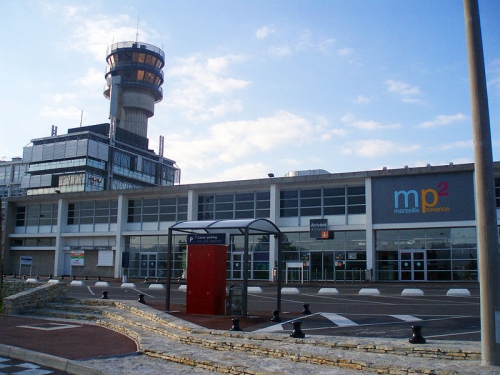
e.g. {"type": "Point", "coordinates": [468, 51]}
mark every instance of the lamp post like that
{"type": "Point", "coordinates": [486, 219]}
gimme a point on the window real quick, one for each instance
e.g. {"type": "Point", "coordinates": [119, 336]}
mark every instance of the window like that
{"type": "Point", "coordinates": [289, 203]}
{"type": "Point", "coordinates": [234, 206]}
{"type": "Point", "coordinates": [356, 200]}
{"type": "Point", "coordinates": [310, 202]}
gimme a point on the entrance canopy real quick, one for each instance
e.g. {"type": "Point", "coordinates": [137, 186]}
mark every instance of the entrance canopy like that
{"type": "Point", "coordinates": [243, 227]}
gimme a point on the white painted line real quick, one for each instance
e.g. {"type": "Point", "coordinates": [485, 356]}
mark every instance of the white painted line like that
{"type": "Point", "coordinates": [77, 283]}
{"type": "Point", "coordinates": [102, 284]}
{"type": "Point", "coordinates": [274, 328]}
{"type": "Point", "coordinates": [412, 292]}
{"type": "Point", "coordinates": [339, 320]}
{"type": "Point", "coordinates": [458, 292]}
{"type": "Point", "coordinates": [183, 288]}
{"type": "Point", "coordinates": [328, 291]}
{"type": "Point", "coordinates": [290, 291]}
{"type": "Point", "coordinates": [157, 287]}
{"type": "Point", "coordinates": [90, 290]}
{"type": "Point", "coordinates": [255, 289]}
{"type": "Point", "coordinates": [53, 281]}
{"type": "Point", "coordinates": [406, 318]}
{"type": "Point", "coordinates": [369, 292]}
{"type": "Point", "coordinates": [145, 294]}
{"type": "Point", "coordinates": [32, 280]}
{"type": "Point", "coordinates": [128, 285]}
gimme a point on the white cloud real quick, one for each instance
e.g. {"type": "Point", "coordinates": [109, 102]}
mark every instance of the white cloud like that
{"type": "Point", "coordinates": [455, 145]}
{"type": "Point", "coordinates": [374, 148]}
{"type": "Point", "coordinates": [201, 88]}
{"type": "Point", "coordinates": [443, 120]}
{"type": "Point", "coordinates": [68, 113]}
{"type": "Point", "coordinates": [283, 50]}
{"type": "Point", "coordinates": [264, 32]}
{"type": "Point", "coordinates": [350, 120]}
{"type": "Point", "coordinates": [92, 79]}
{"type": "Point", "coordinates": [407, 92]}
{"type": "Point", "coordinates": [229, 141]}
{"type": "Point", "coordinates": [59, 98]}
{"type": "Point", "coordinates": [345, 52]}
{"type": "Point", "coordinates": [361, 99]}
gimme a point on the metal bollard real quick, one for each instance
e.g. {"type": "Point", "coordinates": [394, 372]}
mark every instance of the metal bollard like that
{"type": "Point", "coordinates": [297, 331]}
{"type": "Point", "coordinates": [236, 325]}
{"type": "Point", "coordinates": [85, 278]}
{"type": "Point", "coordinates": [417, 335]}
{"type": "Point", "coordinates": [74, 277]}
{"type": "Point", "coordinates": [98, 278]}
{"type": "Point", "coordinates": [276, 316]}
{"type": "Point", "coordinates": [306, 310]}
{"type": "Point", "coordinates": [141, 299]}
{"type": "Point", "coordinates": [104, 294]}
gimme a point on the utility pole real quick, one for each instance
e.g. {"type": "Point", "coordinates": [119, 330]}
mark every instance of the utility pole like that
{"type": "Point", "coordinates": [486, 218]}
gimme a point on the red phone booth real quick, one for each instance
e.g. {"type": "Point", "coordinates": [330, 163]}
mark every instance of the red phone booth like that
{"type": "Point", "coordinates": [206, 279]}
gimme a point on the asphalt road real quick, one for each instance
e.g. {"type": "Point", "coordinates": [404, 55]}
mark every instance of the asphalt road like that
{"type": "Point", "coordinates": [368, 310]}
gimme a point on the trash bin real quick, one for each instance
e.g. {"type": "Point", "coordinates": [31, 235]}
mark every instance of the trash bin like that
{"type": "Point", "coordinates": [235, 301]}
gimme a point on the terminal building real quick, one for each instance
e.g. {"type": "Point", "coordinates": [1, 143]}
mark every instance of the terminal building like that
{"type": "Point", "coordinates": [388, 225]}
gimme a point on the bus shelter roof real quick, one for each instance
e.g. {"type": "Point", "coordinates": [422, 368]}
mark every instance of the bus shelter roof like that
{"type": "Point", "coordinates": [249, 226]}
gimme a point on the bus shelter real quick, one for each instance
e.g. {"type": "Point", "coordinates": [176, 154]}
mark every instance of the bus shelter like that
{"type": "Point", "coordinates": [245, 227]}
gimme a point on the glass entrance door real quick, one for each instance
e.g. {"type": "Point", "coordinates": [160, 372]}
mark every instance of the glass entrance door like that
{"type": "Point", "coordinates": [147, 265]}
{"type": "Point", "coordinates": [236, 266]}
{"type": "Point", "coordinates": [412, 266]}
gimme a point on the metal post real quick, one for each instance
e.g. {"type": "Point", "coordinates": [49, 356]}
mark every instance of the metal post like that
{"type": "Point", "coordinates": [486, 219]}
{"type": "Point", "coordinates": [169, 270]}
{"type": "Point", "coordinates": [245, 276]}
{"type": "Point", "coordinates": [278, 279]}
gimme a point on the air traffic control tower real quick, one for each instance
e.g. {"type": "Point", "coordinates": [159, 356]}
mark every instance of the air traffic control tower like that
{"type": "Point", "coordinates": [133, 84]}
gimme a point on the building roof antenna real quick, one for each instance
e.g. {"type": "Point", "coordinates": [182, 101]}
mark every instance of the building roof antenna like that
{"type": "Point", "coordinates": [137, 32]}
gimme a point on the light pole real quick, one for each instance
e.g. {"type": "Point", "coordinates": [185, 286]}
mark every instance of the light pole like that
{"type": "Point", "coordinates": [486, 218]}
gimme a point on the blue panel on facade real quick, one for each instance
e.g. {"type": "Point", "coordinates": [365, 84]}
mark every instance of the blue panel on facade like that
{"type": "Point", "coordinates": [423, 198]}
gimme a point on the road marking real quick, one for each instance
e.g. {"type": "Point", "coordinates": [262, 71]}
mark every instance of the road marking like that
{"type": "Point", "coordinates": [339, 320]}
{"type": "Point", "coordinates": [406, 318]}
{"type": "Point", "coordinates": [90, 290]}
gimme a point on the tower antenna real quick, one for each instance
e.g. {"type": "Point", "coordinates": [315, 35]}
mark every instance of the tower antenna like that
{"type": "Point", "coordinates": [137, 33]}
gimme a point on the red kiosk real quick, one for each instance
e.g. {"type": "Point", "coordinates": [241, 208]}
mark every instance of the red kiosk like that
{"type": "Point", "coordinates": [206, 274]}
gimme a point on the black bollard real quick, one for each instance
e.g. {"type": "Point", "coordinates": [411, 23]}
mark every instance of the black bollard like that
{"type": "Point", "coordinates": [297, 331]}
{"type": "Point", "coordinates": [74, 277]}
{"type": "Point", "coordinates": [85, 278]}
{"type": "Point", "coordinates": [14, 276]}
{"type": "Point", "coordinates": [24, 277]}
{"type": "Point", "coordinates": [236, 325]}
{"type": "Point", "coordinates": [145, 280]}
{"type": "Point", "coordinates": [104, 294]}
{"type": "Point", "coordinates": [62, 277]}
{"type": "Point", "coordinates": [50, 277]}
{"type": "Point", "coordinates": [306, 310]}
{"type": "Point", "coordinates": [98, 278]}
{"type": "Point", "coordinates": [276, 316]}
{"type": "Point", "coordinates": [417, 335]}
{"type": "Point", "coordinates": [141, 298]}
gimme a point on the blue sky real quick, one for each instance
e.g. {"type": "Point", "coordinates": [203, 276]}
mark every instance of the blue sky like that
{"type": "Point", "coordinates": [253, 87]}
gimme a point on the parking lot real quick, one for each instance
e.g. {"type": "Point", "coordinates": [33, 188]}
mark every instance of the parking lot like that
{"type": "Point", "coordinates": [445, 311]}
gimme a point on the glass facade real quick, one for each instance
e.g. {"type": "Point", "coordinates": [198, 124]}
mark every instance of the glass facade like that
{"type": "Point", "coordinates": [323, 201]}
{"type": "Point", "coordinates": [433, 254]}
{"type": "Point", "coordinates": [92, 212]}
{"type": "Point", "coordinates": [157, 210]}
{"type": "Point", "coordinates": [231, 206]}
{"type": "Point", "coordinates": [341, 258]}
{"type": "Point", "coordinates": [36, 215]}
{"type": "Point", "coordinates": [148, 256]}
